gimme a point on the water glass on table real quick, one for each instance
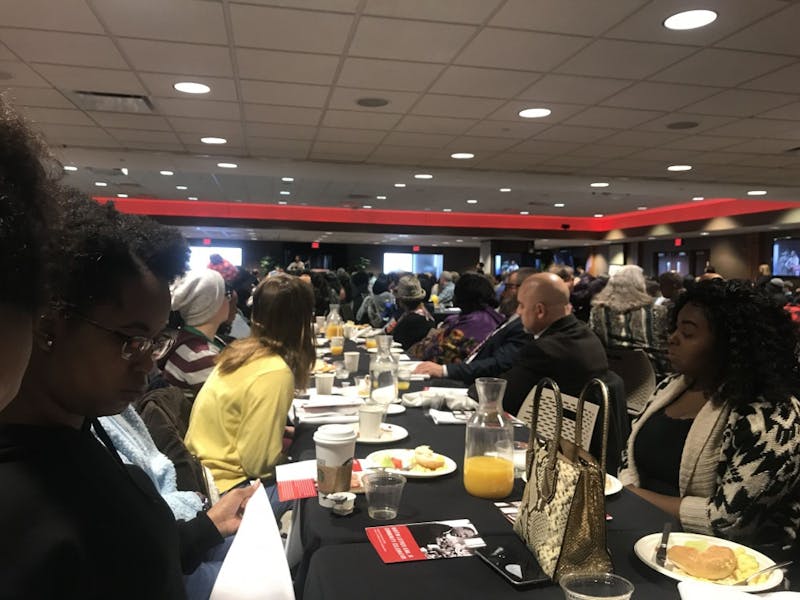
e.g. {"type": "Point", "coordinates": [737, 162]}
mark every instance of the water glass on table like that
{"type": "Point", "coordinates": [337, 345]}
{"type": "Point", "coordinates": [370, 417]}
{"type": "Point", "coordinates": [383, 490]}
{"type": "Point", "coordinates": [351, 361]}
{"type": "Point", "coordinates": [324, 383]}
{"type": "Point", "coordinates": [595, 586]}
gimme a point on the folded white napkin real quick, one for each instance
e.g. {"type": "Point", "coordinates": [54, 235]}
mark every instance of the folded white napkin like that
{"type": "Point", "coordinates": [445, 417]}
{"type": "Point", "coordinates": [697, 590]}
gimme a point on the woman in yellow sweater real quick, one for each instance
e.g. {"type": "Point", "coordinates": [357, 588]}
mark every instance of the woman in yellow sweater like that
{"type": "Point", "coordinates": [238, 418]}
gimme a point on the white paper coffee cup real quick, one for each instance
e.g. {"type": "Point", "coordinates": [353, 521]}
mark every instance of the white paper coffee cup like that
{"type": "Point", "coordinates": [335, 446]}
{"type": "Point", "coordinates": [324, 383]}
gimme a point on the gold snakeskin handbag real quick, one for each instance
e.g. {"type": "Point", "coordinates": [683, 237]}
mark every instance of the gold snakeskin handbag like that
{"type": "Point", "coordinates": [562, 516]}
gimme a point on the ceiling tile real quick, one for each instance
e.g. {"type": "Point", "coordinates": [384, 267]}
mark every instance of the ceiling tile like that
{"type": "Point", "coordinates": [741, 103]}
{"type": "Point", "coordinates": [455, 106]}
{"type": "Point", "coordinates": [130, 121]}
{"type": "Point", "coordinates": [548, 147]}
{"type": "Point", "coordinates": [510, 129]}
{"type": "Point", "coordinates": [94, 80]}
{"type": "Point", "coordinates": [63, 48]}
{"type": "Point", "coordinates": [5, 53]}
{"type": "Point", "coordinates": [614, 58]}
{"type": "Point", "coordinates": [713, 66]}
{"type": "Point", "coordinates": [176, 20]}
{"type": "Point", "coordinates": [527, 51]}
{"type": "Point", "coordinates": [360, 119]}
{"type": "Point", "coordinates": [274, 130]}
{"type": "Point", "coordinates": [271, 65]}
{"type": "Point", "coordinates": [601, 116]}
{"type": "Point", "coordinates": [203, 150]}
{"type": "Point", "coordinates": [59, 134]}
{"type": "Point", "coordinates": [388, 74]}
{"type": "Point", "coordinates": [288, 94]}
{"type": "Point", "coordinates": [564, 16]}
{"type": "Point", "coordinates": [324, 5]}
{"type": "Point", "coordinates": [577, 162]}
{"type": "Point", "coordinates": [604, 151]}
{"type": "Point", "coordinates": [761, 128]}
{"type": "Point", "coordinates": [513, 162]}
{"type": "Point", "coordinates": [704, 123]}
{"type": "Point", "coordinates": [422, 140]}
{"type": "Point", "coordinates": [668, 156]}
{"type": "Point", "coordinates": [137, 135]}
{"type": "Point", "coordinates": [634, 168]}
{"type": "Point", "coordinates": [645, 139]}
{"type": "Point", "coordinates": [790, 111]}
{"type": "Point", "coordinates": [764, 146]}
{"type": "Point", "coordinates": [17, 73]}
{"type": "Point", "coordinates": [282, 29]}
{"type": "Point", "coordinates": [452, 11]}
{"type": "Point", "coordinates": [409, 153]}
{"type": "Point", "coordinates": [660, 96]}
{"type": "Point", "coordinates": [346, 98]}
{"type": "Point", "coordinates": [493, 83]}
{"type": "Point", "coordinates": [568, 88]}
{"type": "Point", "coordinates": [358, 136]}
{"type": "Point", "coordinates": [43, 97]}
{"type": "Point", "coordinates": [203, 109]}
{"type": "Point", "coordinates": [408, 40]}
{"type": "Point", "coordinates": [181, 59]}
{"type": "Point", "coordinates": [230, 130]}
{"type": "Point", "coordinates": [161, 85]}
{"type": "Point", "coordinates": [336, 148]}
{"type": "Point", "coordinates": [58, 115]}
{"type": "Point", "coordinates": [569, 133]}
{"type": "Point", "coordinates": [783, 80]}
{"type": "Point", "coordinates": [777, 33]}
{"type": "Point", "coordinates": [74, 15]}
{"type": "Point", "coordinates": [278, 148]}
{"type": "Point", "coordinates": [703, 142]}
{"type": "Point", "coordinates": [294, 115]}
{"type": "Point", "coordinates": [560, 112]}
{"type": "Point", "coordinates": [434, 124]}
{"type": "Point", "coordinates": [481, 145]}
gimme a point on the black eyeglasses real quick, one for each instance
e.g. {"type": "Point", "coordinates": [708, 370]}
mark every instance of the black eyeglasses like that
{"type": "Point", "coordinates": [136, 346]}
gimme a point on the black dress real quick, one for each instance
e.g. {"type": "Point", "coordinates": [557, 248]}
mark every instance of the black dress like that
{"type": "Point", "coordinates": [658, 449]}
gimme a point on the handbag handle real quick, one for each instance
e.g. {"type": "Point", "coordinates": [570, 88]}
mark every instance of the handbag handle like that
{"type": "Point", "coordinates": [604, 408]}
{"type": "Point", "coordinates": [546, 484]}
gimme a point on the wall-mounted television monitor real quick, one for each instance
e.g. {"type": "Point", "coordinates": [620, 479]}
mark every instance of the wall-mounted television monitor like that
{"type": "Point", "coordinates": [408, 262]}
{"type": "Point", "coordinates": [673, 261]}
{"type": "Point", "coordinates": [786, 257]}
{"type": "Point", "coordinates": [200, 255]}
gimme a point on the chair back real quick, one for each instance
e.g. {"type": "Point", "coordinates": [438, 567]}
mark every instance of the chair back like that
{"type": "Point", "coordinates": [546, 425]}
{"type": "Point", "coordinates": [636, 371]}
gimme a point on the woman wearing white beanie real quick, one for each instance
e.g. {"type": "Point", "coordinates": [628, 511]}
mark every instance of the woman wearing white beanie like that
{"type": "Point", "coordinates": [200, 299]}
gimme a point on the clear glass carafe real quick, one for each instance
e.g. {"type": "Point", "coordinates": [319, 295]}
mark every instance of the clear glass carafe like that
{"type": "Point", "coordinates": [489, 444]}
{"type": "Point", "coordinates": [334, 325]}
{"type": "Point", "coordinates": [383, 373]}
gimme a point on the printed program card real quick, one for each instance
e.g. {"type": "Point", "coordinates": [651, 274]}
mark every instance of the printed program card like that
{"type": "Point", "coordinates": [425, 541]}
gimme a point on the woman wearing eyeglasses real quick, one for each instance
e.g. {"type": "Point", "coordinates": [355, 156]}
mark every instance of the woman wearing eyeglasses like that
{"type": "Point", "coordinates": [76, 521]}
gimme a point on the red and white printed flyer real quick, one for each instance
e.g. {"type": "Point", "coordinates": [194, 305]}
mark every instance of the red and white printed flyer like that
{"type": "Point", "coordinates": [425, 541]}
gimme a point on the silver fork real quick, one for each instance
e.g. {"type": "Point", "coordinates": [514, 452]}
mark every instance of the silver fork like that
{"type": "Point", "coordinates": [763, 571]}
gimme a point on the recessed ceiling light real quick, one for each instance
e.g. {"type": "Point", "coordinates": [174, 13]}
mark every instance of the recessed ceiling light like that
{"type": "Point", "coordinates": [757, 193]}
{"type": "Point", "coordinates": [287, 179]}
{"type": "Point", "coordinates": [534, 113]}
{"type": "Point", "coordinates": [101, 184]}
{"type": "Point", "coordinates": [282, 202]}
{"type": "Point", "coordinates": [690, 19]}
{"type": "Point", "coordinates": [524, 212]}
{"type": "Point", "coordinates": [181, 187]}
{"type": "Point", "coordinates": [703, 233]}
{"type": "Point", "coordinates": [166, 173]}
{"type": "Point", "coordinates": [641, 208]}
{"type": "Point", "coordinates": [462, 155]}
{"type": "Point", "coordinates": [213, 140]}
{"type": "Point", "coordinates": [191, 87]}
{"type": "Point", "coordinates": [447, 210]}
{"type": "Point", "coordinates": [599, 184]}
{"type": "Point", "coordinates": [227, 165]}
{"type": "Point", "coordinates": [367, 206]}
{"type": "Point", "coordinates": [459, 241]}
{"type": "Point", "coordinates": [399, 185]}
{"type": "Point", "coordinates": [698, 198]}
{"type": "Point", "coordinates": [505, 189]}
{"type": "Point", "coordinates": [122, 195]}
{"type": "Point", "coordinates": [559, 205]}
{"type": "Point", "coordinates": [192, 198]}
{"type": "Point", "coordinates": [679, 168]}
{"type": "Point", "coordinates": [472, 201]}
{"type": "Point", "coordinates": [423, 176]}
{"type": "Point", "coordinates": [285, 193]}
{"type": "Point", "coordinates": [70, 168]}
{"type": "Point", "coordinates": [380, 197]}
{"type": "Point", "coordinates": [598, 215]}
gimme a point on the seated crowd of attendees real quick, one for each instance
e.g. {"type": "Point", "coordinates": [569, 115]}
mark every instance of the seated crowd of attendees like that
{"type": "Point", "coordinates": [139, 401]}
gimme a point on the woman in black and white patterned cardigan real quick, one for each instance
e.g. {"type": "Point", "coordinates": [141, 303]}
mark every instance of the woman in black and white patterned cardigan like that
{"type": "Point", "coordinates": [718, 445]}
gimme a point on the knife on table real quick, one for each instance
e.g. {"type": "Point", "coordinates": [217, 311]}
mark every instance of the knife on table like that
{"type": "Point", "coordinates": [661, 553]}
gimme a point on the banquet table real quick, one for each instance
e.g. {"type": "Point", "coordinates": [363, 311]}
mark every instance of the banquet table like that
{"type": "Point", "coordinates": [339, 563]}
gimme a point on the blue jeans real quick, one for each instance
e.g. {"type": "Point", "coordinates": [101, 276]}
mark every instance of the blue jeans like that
{"type": "Point", "coordinates": [200, 583]}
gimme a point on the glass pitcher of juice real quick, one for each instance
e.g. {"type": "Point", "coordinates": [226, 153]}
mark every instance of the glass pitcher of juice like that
{"type": "Point", "coordinates": [489, 444]}
{"type": "Point", "coordinates": [334, 325]}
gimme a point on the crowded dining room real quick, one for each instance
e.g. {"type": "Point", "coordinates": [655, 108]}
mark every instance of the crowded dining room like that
{"type": "Point", "coordinates": [302, 296]}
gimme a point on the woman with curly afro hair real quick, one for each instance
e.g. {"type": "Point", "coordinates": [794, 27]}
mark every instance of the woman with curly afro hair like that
{"type": "Point", "coordinates": [718, 445]}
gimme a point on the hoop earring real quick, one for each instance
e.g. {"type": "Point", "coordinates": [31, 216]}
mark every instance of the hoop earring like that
{"type": "Point", "coordinates": [49, 343]}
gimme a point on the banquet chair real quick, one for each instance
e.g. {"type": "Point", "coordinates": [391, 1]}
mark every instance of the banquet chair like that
{"type": "Point", "coordinates": [546, 426]}
{"type": "Point", "coordinates": [636, 370]}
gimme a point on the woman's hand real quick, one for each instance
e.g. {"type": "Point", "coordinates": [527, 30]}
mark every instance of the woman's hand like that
{"type": "Point", "coordinates": [429, 368]}
{"type": "Point", "coordinates": [227, 513]}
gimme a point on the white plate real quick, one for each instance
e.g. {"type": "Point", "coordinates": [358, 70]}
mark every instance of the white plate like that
{"type": "Point", "coordinates": [395, 409]}
{"type": "Point", "coordinates": [372, 461]}
{"type": "Point", "coordinates": [613, 485]}
{"type": "Point", "coordinates": [645, 549]}
{"type": "Point", "coordinates": [390, 433]}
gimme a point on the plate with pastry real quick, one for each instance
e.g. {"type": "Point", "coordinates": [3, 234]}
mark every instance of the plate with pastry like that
{"type": "Point", "coordinates": [613, 485]}
{"type": "Point", "coordinates": [420, 462]}
{"type": "Point", "coordinates": [696, 557]}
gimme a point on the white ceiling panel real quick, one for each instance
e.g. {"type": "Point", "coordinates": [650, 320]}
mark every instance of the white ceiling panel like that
{"type": "Point", "coordinates": [471, 81]}
{"type": "Point", "coordinates": [421, 140]}
{"type": "Point", "coordinates": [452, 11]}
{"type": "Point", "coordinates": [271, 65]}
{"type": "Point", "coordinates": [43, 97]}
{"type": "Point", "coordinates": [513, 162]}
{"type": "Point", "coordinates": [704, 123]}
{"type": "Point", "coordinates": [207, 127]}
{"type": "Point", "coordinates": [388, 74]}
{"type": "Point", "coordinates": [278, 148]}
{"type": "Point", "coordinates": [527, 51]}
{"type": "Point", "coordinates": [75, 133]}
{"type": "Point", "coordinates": [713, 66]}
{"type": "Point", "coordinates": [774, 128]}
{"type": "Point", "coordinates": [128, 121]}
{"type": "Point", "coordinates": [73, 15]}
{"type": "Point", "coordinates": [777, 33]}
{"type": "Point", "coordinates": [790, 111]}
{"type": "Point", "coordinates": [564, 16]}
{"type": "Point", "coordinates": [324, 5]}
{"type": "Point", "coordinates": [549, 147]}
{"type": "Point", "coordinates": [703, 142]}
{"type": "Point", "coordinates": [786, 80]}
{"type": "Point", "coordinates": [58, 115]}
{"type": "Point", "coordinates": [285, 29]}
{"type": "Point", "coordinates": [272, 130]}
{"type": "Point", "coordinates": [15, 73]}
{"type": "Point", "coordinates": [286, 94]}
{"type": "Point", "coordinates": [140, 135]}
{"type": "Point", "coordinates": [619, 118]}
{"type": "Point", "coordinates": [294, 115]}
{"type": "Point", "coordinates": [181, 59]}
{"type": "Point", "coordinates": [94, 80]}
{"type": "Point", "coordinates": [60, 48]}
{"type": "Point", "coordinates": [348, 150]}
{"type": "Point", "coordinates": [346, 98]}
{"type": "Point", "coordinates": [569, 88]}
{"type": "Point", "coordinates": [510, 129]}
{"type": "Point", "coordinates": [358, 136]}
{"type": "Point", "coordinates": [660, 96]}
{"type": "Point", "coordinates": [5, 53]}
{"type": "Point", "coordinates": [740, 103]}
{"type": "Point", "coordinates": [569, 133]}
{"type": "Point", "coordinates": [409, 40]}
{"type": "Point", "coordinates": [360, 119]}
{"type": "Point", "coordinates": [438, 105]}
{"type": "Point", "coordinates": [481, 145]}
{"type": "Point", "coordinates": [619, 59]}
{"type": "Point", "coordinates": [605, 151]}
{"type": "Point", "coordinates": [178, 20]}
{"type": "Point", "coordinates": [161, 85]}
{"type": "Point", "coordinates": [777, 148]}
{"type": "Point", "coordinates": [206, 109]}
{"type": "Point", "coordinates": [645, 139]}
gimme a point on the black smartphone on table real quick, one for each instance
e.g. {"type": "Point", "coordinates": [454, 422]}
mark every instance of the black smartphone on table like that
{"type": "Point", "coordinates": [509, 557]}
